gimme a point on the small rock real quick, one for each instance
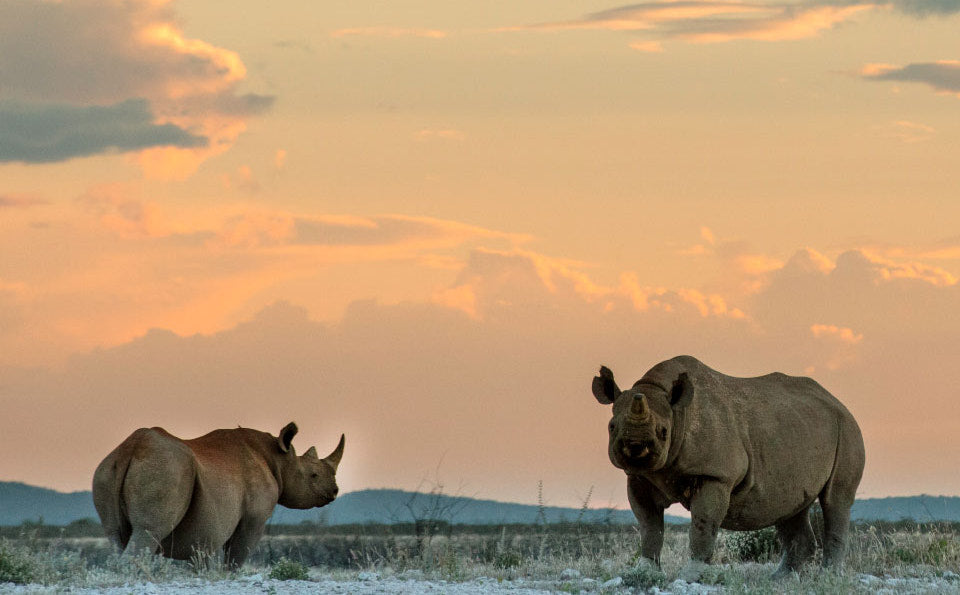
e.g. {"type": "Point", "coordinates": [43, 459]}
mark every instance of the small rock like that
{"type": "Point", "coordinates": [613, 583]}
{"type": "Point", "coordinates": [950, 575]}
{"type": "Point", "coordinates": [368, 576]}
{"type": "Point", "coordinates": [569, 574]}
{"type": "Point", "coordinates": [413, 574]}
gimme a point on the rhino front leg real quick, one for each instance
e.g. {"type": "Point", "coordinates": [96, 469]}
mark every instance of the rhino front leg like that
{"type": "Point", "coordinates": [241, 544]}
{"type": "Point", "coordinates": [647, 505]}
{"type": "Point", "coordinates": [708, 507]}
{"type": "Point", "coordinates": [797, 541]}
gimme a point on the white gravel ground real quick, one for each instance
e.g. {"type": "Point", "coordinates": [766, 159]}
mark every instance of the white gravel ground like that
{"type": "Point", "coordinates": [372, 583]}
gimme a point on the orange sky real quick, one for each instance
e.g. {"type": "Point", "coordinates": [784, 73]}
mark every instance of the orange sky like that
{"type": "Point", "coordinates": [427, 226]}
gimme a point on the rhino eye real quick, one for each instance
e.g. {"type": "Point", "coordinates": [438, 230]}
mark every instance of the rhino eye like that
{"type": "Point", "coordinates": [610, 426]}
{"type": "Point", "coordinates": [314, 476]}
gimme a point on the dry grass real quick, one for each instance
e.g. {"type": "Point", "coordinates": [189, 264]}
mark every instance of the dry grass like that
{"type": "Point", "coordinates": [537, 553]}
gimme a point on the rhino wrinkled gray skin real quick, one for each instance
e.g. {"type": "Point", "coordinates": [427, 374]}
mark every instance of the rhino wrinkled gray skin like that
{"type": "Point", "coordinates": [206, 495]}
{"type": "Point", "coordinates": [738, 453]}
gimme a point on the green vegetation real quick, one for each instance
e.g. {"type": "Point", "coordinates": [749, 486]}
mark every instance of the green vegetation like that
{"type": "Point", "coordinates": [289, 570]}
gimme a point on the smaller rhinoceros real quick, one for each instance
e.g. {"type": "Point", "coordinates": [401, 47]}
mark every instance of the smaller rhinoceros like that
{"type": "Point", "coordinates": [738, 453]}
{"type": "Point", "coordinates": [210, 494]}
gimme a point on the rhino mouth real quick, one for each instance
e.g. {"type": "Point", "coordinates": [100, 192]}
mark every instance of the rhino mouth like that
{"type": "Point", "coordinates": [637, 451]}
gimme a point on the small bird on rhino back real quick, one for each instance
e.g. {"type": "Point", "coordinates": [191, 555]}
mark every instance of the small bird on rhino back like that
{"type": "Point", "coordinates": [210, 494]}
{"type": "Point", "coordinates": [738, 453]}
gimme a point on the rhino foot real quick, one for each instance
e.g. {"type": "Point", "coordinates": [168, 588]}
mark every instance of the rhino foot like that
{"type": "Point", "coordinates": [782, 572]}
{"type": "Point", "coordinates": [693, 571]}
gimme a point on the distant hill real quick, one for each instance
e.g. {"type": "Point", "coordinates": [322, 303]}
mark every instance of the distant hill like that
{"type": "Point", "coordinates": [397, 506]}
{"type": "Point", "coordinates": [918, 508]}
{"type": "Point", "coordinates": [20, 502]}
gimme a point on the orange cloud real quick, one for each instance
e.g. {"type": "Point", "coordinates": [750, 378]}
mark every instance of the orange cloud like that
{"type": "Point", "coordinates": [650, 47]}
{"type": "Point", "coordinates": [842, 334]}
{"type": "Point", "coordinates": [119, 53]}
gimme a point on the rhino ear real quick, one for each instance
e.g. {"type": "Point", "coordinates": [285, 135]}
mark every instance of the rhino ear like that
{"type": "Point", "coordinates": [286, 436]}
{"type": "Point", "coordinates": [605, 388]}
{"type": "Point", "coordinates": [682, 392]}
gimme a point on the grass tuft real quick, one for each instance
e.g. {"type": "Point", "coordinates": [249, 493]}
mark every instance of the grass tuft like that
{"type": "Point", "coordinates": [289, 570]}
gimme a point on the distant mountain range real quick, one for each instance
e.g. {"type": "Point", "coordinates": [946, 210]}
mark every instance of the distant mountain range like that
{"type": "Point", "coordinates": [20, 502]}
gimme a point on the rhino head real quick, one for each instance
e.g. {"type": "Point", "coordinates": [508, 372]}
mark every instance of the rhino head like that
{"type": "Point", "coordinates": [307, 480]}
{"type": "Point", "coordinates": [641, 430]}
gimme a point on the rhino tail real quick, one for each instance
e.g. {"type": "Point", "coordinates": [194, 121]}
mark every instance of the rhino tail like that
{"type": "Point", "coordinates": [108, 498]}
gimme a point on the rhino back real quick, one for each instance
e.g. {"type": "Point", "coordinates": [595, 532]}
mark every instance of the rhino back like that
{"type": "Point", "coordinates": [234, 484]}
{"type": "Point", "coordinates": [773, 438]}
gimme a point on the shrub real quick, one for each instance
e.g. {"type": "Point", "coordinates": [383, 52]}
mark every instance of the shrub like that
{"type": "Point", "coordinates": [17, 565]}
{"type": "Point", "coordinates": [754, 546]}
{"type": "Point", "coordinates": [644, 576]}
{"type": "Point", "coordinates": [289, 570]}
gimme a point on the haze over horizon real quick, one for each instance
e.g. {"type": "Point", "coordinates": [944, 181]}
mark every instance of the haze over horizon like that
{"type": "Point", "coordinates": [428, 226]}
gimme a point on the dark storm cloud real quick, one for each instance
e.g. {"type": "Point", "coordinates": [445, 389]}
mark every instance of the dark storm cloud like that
{"type": "Point", "coordinates": [944, 76]}
{"type": "Point", "coordinates": [51, 133]}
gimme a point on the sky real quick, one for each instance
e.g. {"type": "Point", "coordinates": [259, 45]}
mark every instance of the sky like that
{"type": "Point", "coordinates": [426, 225]}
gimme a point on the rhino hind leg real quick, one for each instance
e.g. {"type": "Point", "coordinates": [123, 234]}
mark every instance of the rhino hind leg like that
{"type": "Point", "coordinates": [836, 524]}
{"type": "Point", "coordinates": [797, 542]}
{"type": "Point", "coordinates": [838, 495]}
{"type": "Point", "coordinates": [140, 540]}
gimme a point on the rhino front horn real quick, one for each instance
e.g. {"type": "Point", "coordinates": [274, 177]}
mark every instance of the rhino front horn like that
{"type": "Point", "coordinates": [639, 405]}
{"type": "Point", "coordinates": [337, 454]}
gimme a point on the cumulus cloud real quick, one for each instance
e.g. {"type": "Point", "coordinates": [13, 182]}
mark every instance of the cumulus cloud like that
{"type": "Point", "coordinates": [34, 133]}
{"type": "Point", "coordinates": [81, 56]}
{"type": "Point", "coordinates": [943, 76]}
{"type": "Point", "coordinates": [539, 330]}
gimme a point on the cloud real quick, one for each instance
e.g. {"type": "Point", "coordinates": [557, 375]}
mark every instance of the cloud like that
{"type": "Point", "coordinates": [33, 133]}
{"type": "Point", "coordinates": [910, 132]}
{"type": "Point", "coordinates": [710, 21]}
{"type": "Point", "coordinates": [389, 32]}
{"type": "Point", "coordinates": [842, 334]}
{"type": "Point", "coordinates": [80, 56]}
{"type": "Point", "coordinates": [21, 201]}
{"type": "Point", "coordinates": [925, 8]}
{"type": "Point", "coordinates": [943, 76]}
{"type": "Point", "coordinates": [650, 47]}
{"type": "Point", "coordinates": [512, 376]}
{"type": "Point", "coordinates": [716, 21]}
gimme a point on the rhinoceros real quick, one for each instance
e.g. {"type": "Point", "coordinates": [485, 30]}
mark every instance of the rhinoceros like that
{"type": "Point", "coordinates": [209, 494]}
{"type": "Point", "coordinates": [738, 453]}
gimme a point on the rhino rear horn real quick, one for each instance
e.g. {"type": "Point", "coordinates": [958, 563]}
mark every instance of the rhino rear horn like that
{"type": "Point", "coordinates": [337, 454]}
{"type": "Point", "coordinates": [639, 407]}
{"type": "Point", "coordinates": [605, 388]}
{"type": "Point", "coordinates": [286, 436]}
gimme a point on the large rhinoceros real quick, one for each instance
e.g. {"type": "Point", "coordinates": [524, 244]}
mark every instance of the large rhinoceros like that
{"type": "Point", "coordinates": [216, 492]}
{"type": "Point", "coordinates": [738, 453]}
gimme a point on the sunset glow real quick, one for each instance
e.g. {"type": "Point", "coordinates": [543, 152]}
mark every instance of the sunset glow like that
{"type": "Point", "coordinates": [428, 225]}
